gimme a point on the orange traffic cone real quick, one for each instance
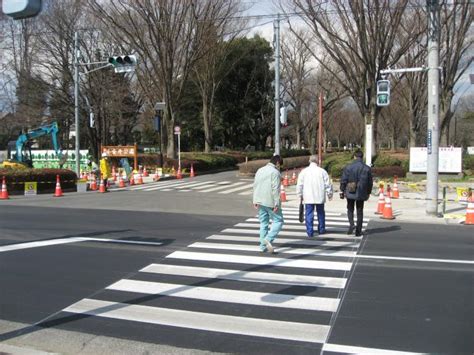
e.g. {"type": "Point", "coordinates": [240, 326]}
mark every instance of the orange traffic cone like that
{"type": "Point", "coordinates": [4, 195]}
{"type": "Point", "coordinates": [59, 191]}
{"type": "Point", "coordinates": [140, 179]}
{"type": "Point", "coordinates": [387, 210]}
{"type": "Point", "coordinates": [102, 187]}
{"type": "Point", "coordinates": [132, 179]}
{"type": "Point", "coordinates": [285, 179]}
{"type": "Point", "coordinates": [157, 175]}
{"type": "Point", "coordinates": [114, 174]}
{"type": "Point", "coordinates": [293, 178]}
{"type": "Point", "coordinates": [178, 174]}
{"type": "Point", "coordinates": [145, 172]}
{"type": "Point", "coordinates": [396, 192]}
{"type": "Point", "coordinates": [93, 183]}
{"type": "Point", "coordinates": [121, 182]}
{"type": "Point", "coordinates": [381, 203]}
{"type": "Point", "coordinates": [470, 211]}
{"type": "Point", "coordinates": [191, 174]}
{"type": "Point", "coordinates": [283, 194]}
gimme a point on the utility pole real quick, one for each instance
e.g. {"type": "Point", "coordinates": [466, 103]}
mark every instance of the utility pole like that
{"type": "Point", "coordinates": [320, 130]}
{"type": "Point", "coordinates": [76, 99]}
{"type": "Point", "coordinates": [432, 143]}
{"type": "Point", "coordinates": [276, 40]}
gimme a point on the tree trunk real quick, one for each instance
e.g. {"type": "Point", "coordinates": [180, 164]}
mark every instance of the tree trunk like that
{"type": "Point", "coordinates": [206, 116]}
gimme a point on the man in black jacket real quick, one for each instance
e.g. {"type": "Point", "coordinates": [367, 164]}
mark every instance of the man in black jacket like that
{"type": "Point", "coordinates": [356, 186]}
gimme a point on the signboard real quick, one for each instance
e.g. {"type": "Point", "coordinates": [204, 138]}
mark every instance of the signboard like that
{"type": "Point", "coordinates": [449, 160]}
{"type": "Point", "coordinates": [470, 150]}
{"type": "Point", "coordinates": [177, 130]}
{"type": "Point", "coordinates": [368, 144]}
{"type": "Point", "coordinates": [121, 151]}
{"type": "Point", "coordinates": [31, 188]}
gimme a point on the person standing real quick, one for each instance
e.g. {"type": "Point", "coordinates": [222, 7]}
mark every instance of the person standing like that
{"type": "Point", "coordinates": [266, 199]}
{"type": "Point", "coordinates": [105, 170]}
{"type": "Point", "coordinates": [312, 187]}
{"type": "Point", "coordinates": [356, 186]}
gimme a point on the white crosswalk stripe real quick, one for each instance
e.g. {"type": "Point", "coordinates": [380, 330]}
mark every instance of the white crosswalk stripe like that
{"type": "Point", "coordinates": [305, 275]}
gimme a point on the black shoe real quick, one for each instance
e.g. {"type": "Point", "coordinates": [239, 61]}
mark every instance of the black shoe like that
{"type": "Point", "coordinates": [358, 234]}
{"type": "Point", "coordinates": [350, 230]}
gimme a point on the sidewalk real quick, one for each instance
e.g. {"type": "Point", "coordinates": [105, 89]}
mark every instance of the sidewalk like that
{"type": "Point", "coordinates": [410, 207]}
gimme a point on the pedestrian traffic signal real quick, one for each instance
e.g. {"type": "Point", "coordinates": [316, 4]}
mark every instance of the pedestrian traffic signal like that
{"type": "Point", "coordinates": [123, 63]}
{"type": "Point", "coordinates": [383, 92]}
{"type": "Point", "coordinates": [21, 9]}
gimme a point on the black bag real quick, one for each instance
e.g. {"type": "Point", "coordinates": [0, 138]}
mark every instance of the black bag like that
{"type": "Point", "coordinates": [352, 187]}
{"type": "Point", "coordinates": [301, 215]}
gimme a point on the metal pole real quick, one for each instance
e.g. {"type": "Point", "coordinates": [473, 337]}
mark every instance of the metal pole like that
{"type": "Point", "coordinates": [320, 130]}
{"type": "Point", "coordinates": [76, 99]}
{"type": "Point", "coordinates": [179, 151]}
{"type": "Point", "coordinates": [432, 144]}
{"type": "Point", "coordinates": [276, 28]}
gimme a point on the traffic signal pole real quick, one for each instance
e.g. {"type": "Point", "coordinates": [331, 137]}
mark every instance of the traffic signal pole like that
{"type": "Point", "coordinates": [76, 99]}
{"type": "Point", "coordinates": [276, 29]}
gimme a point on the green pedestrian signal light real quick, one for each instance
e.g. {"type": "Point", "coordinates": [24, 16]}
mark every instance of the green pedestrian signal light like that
{"type": "Point", "coordinates": [123, 63]}
{"type": "Point", "coordinates": [383, 93]}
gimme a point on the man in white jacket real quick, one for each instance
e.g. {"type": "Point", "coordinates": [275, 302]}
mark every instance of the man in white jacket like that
{"type": "Point", "coordinates": [312, 187]}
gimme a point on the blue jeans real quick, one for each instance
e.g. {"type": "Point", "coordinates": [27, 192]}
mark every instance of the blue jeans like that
{"type": "Point", "coordinates": [264, 216]}
{"type": "Point", "coordinates": [309, 218]}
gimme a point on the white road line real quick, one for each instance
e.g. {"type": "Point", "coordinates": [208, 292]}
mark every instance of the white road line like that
{"type": "Point", "coordinates": [250, 192]}
{"type": "Point", "coordinates": [246, 276]}
{"type": "Point", "coordinates": [293, 233]}
{"type": "Point", "coordinates": [262, 260]}
{"type": "Point", "coordinates": [278, 241]}
{"type": "Point", "coordinates": [45, 243]}
{"type": "Point", "coordinates": [250, 186]}
{"type": "Point", "coordinates": [313, 333]}
{"type": "Point", "coordinates": [222, 187]}
{"type": "Point", "coordinates": [425, 260]}
{"type": "Point", "coordinates": [301, 225]}
{"type": "Point", "coordinates": [277, 300]}
{"type": "Point", "coordinates": [347, 349]}
{"type": "Point", "coordinates": [194, 184]}
{"type": "Point", "coordinates": [154, 186]}
{"type": "Point", "coordinates": [218, 183]}
{"type": "Point", "coordinates": [284, 250]}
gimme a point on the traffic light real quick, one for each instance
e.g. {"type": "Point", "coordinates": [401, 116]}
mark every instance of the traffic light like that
{"type": "Point", "coordinates": [20, 9]}
{"type": "Point", "coordinates": [123, 63]}
{"type": "Point", "coordinates": [383, 92]}
{"type": "Point", "coordinates": [284, 116]}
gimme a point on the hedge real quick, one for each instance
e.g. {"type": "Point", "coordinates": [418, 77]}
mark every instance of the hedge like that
{"type": "Point", "coordinates": [46, 179]}
{"type": "Point", "coordinates": [250, 168]}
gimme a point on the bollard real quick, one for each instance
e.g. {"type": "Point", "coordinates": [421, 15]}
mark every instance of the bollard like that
{"type": "Point", "coordinates": [444, 200]}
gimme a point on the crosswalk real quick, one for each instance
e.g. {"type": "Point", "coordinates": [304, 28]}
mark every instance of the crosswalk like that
{"type": "Point", "coordinates": [223, 285]}
{"type": "Point", "coordinates": [242, 187]}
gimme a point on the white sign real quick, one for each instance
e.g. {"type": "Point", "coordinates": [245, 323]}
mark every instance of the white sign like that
{"type": "Point", "coordinates": [470, 150]}
{"type": "Point", "coordinates": [368, 144]}
{"type": "Point", "coordinates": [449, 160]}
{"type": "Point", "coordinates": [177, 130]}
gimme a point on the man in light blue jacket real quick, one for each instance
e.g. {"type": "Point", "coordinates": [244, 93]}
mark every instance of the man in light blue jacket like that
{"type": "Point", "coordinates": [266, 199]}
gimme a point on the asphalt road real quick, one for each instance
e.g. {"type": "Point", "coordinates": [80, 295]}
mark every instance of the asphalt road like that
{"type": "Point", "coordinates": [403, 287]}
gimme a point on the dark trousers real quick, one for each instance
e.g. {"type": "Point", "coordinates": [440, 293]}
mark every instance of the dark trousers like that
{"type": "Point", "coordinates": [360, 214]}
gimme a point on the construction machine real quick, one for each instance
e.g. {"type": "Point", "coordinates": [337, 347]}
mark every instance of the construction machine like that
{"type": "Point", "coordinates": [21, 148]}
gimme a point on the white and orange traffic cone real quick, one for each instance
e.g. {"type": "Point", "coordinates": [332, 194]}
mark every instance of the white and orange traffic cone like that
{"type": "Point", "coordinates": [395, 192]}
{"type": "Point", "coordinates": [132, 179]}
{"type": "Point", "coordinates": [470, 211]}
{"type": "Point", "coordinates": [145, 172]}
{"type": "Point", "coordinates": [178, 174]}
{"type": "Point", "coordinates": [102, 187]}
{"type": "Point", "coordinates": [293, 178]}
{"type": "Point", "coordinates": [93, 183]}
{"type": "Point", "coordinates": [191, 174]}
{"type": "Point", "coordinates": [59, 191]}
{"type": "Point", "coordinates": [283, 193]}
{"type": "Point", "coordinates": [140, 179]}
{"type": "Point", "coordinates": [114, 174]}
{"type": "Point", "coordinates": [381, 203]}
{"type": "Point", "coordinates": [4, 195]}
{"type": "Point", "coordinates": [121, 182]}
{"type": "Point", "coordinates": [387, 210]}
{"type": "Point", "coordinates": [285, 179]}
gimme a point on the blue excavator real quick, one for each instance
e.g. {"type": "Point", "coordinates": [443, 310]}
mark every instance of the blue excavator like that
{"type": "Point", "coordinates": [21, 148]}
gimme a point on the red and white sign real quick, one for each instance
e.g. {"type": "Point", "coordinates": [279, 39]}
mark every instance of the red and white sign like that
{"type": "Point", "coordinates": [177, 130]}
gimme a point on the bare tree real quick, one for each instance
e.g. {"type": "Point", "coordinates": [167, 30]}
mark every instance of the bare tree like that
{"type": "Point", "coordinates": [167, 36]}
{"type": "Point", "coordinates": [362, 37]}
{"type": "Point", "coordinates": [456, 42]}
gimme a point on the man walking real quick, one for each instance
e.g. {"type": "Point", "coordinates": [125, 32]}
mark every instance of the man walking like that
{"type": "Point", "coordinates": [312, 187]}
{"type": "Point", "coordinates": [266, 199]}
{"type": "Point", "coordinates": [356, 186]}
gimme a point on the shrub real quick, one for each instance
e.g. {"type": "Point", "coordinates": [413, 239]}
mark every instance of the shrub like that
{"type": "Point", "coordinates": [468, 162]}
{"type": "Point", "coordinates": [383, 160]}
{"type": "Point", "coordinates": [46, 179]}
{"type": "Point", "coordinates": [388, 172]}
{"type": "Point", "coordinates": [336, 169]}
{"type": "Point", "coordinates": [251, 167]}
